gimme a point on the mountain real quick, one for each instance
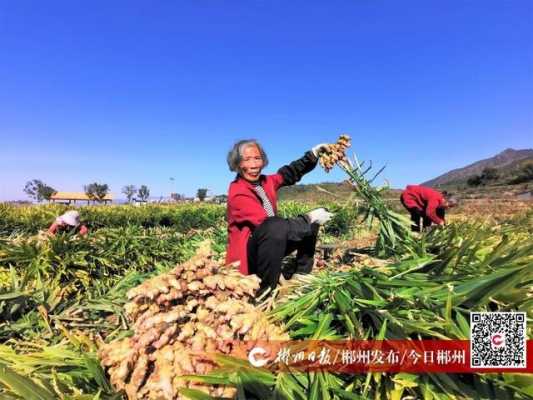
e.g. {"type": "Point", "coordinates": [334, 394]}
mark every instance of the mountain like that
{"type": "Point", "coordinates": [512, 167]}
{"type": "Point", "coordinates": [508, 162]}
{"type": "Point", "coordinates": [324, 192]}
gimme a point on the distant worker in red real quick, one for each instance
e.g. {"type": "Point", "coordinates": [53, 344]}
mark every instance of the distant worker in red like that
{"type": "Point", "coordinates": [427, 204]}
{"type": "Point", "coordinates": [68, 222]}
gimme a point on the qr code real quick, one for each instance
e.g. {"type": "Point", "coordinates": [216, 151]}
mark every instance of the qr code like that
{"type": "Point", "coordinates": [498, 340]}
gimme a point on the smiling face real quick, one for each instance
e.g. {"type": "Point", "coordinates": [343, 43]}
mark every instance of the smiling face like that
{"type": "Point", "coordinates": [251, 163]}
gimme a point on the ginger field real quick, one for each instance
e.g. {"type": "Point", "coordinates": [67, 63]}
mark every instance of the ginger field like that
{"type": "Point", "coordinates": [138, 308]}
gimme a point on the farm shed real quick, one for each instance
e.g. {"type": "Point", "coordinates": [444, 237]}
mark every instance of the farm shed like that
{"type": "Point", "coordinates": [73, 197]}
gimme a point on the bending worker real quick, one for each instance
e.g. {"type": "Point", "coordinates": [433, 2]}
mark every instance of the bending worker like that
{"type": "Point", "coordinates": [68, 222]}
{"type": "Point", "coordinates": [427, 204]}
{"type": "Point", "coordinates": [256, 236]}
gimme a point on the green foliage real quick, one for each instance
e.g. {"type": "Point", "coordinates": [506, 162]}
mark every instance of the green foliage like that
{"type": "Point", "coordinates": [474, 180]}
{"type": "Point", "coordinates": [38, 190]}
{"type": "Point", "coordinates": [201, 194]}
{"type": "Point", "coordinates": [60, 371]}
{"type": "Point", "coordinates": [51, 289]}
{"type": "Point", "coordinates": [129, 191]}
{"type": "Point", "coordinates": [472, 267]}
{"type": "Point", "coordinates": [315, 193]}
{"type": "Point", "coordinates": [394, 235]}
{"type": "Point", "coordinates": [183, 217]}
{"type": "Point", "coordinates": [48, 272]}
{"type": "Point", "coordinates": [487, 176]}
{"type": "Point", "coordinates": [143, 193]}
{"type": "Point", "coordinates": [525, 174]}
{"type": "Point", "coordinates": [342, 224]}
{"type": "Point", "coordinates": [96, 191]}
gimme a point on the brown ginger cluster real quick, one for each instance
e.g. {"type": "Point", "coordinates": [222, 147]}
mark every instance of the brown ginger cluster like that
{"type": "Point", "coordinates": [180, 319]}
{"type": "Point", "coordinates": [335, 152]}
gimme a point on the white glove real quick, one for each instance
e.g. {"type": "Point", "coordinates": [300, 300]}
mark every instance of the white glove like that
{"type": "Point", "coordinates": [319, 216]}
{"type": "Point", "coordinates": [319, 148]}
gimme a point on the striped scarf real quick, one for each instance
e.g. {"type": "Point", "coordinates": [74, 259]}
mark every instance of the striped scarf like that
{"type": "Point", "coordinates": [267, 205]}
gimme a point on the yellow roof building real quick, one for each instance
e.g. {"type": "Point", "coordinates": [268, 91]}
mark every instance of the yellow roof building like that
{"type": "Point", "coordinates": [76, 196]}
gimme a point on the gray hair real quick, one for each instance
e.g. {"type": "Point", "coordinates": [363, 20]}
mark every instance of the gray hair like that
{"type": "Point", "coordinates": [235, 154]}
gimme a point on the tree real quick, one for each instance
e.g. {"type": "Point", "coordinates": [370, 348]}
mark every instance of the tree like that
{"type": "Point", "coordinates": [474, 180]}
{"type": "Point", "coordinates": [524, 175]}
{"type": "Point", "coordinates": [177, 196]}
{"type": "Point", "coordinates": [129, 191]}
{"type": "Point", "coordinates": [38, 190]}
{"type": "Point", "coordinates": [221, 198]}
{"type": "Point", "coordinates": [143, 193]}
{"type": "Point", "coordinates": [47, 192]}
{"type": "Point", "coordinates": [489, 174]}
{"type": "Point", "coordinates": [201, 194]}
{"type": "Point", "coordinates": [96, 191]}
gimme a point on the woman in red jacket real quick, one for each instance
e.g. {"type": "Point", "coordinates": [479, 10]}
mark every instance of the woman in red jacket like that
{"type": "Point", "coordinates": [257, 238]}
{"type": "Point", "coordinates": [427, 204]}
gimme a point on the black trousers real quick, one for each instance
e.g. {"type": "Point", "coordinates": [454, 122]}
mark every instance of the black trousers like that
{"type": "Point", "coordinates": [274, 239]}
{"type": "Point", "coordinates": [417, 214]}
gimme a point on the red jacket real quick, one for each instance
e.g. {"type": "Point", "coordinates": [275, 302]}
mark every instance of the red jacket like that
{"type": "Point", "coordinates": [245, 209]}
{"type": "Point", "coordinates": [424, 199]}
{"type": "Point", "coordinates": [245, 212]}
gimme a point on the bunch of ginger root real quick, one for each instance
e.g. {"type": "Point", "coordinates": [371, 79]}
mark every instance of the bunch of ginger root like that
{"type": "Point", "coordinates": [180, 319]}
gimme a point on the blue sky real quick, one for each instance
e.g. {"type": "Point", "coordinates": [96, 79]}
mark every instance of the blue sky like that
{"type": "Point", "coordinates": [138, 92]}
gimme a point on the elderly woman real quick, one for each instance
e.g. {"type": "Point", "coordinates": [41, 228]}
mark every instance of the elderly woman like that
{"type": "Point", "coordinates": [257, 238]}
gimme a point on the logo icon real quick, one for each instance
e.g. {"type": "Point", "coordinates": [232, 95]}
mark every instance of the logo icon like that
{"type": "Point", "coordinates": [254, 360]}
{"type": "Point", "coordinates": [497, 340]}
